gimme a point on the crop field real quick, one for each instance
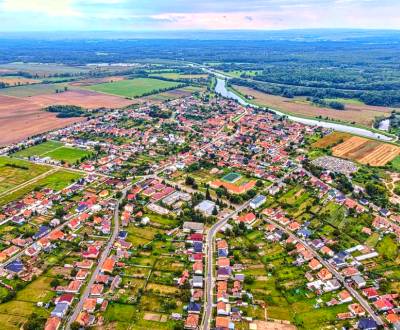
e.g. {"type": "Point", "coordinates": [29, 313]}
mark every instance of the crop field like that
{"type": "Point", "coordinates": [21, 118]}
{"type": "Point", "coordinates": [331, 140]}
{"type": "Point", "coordinates": [133, 88]}
{"type": "Point", "coordinates": [33, 89]}
{"type": "Point", "coordinates": [176, 75]}
{"type": "Point", "coordinates": [14, 172]}
{"type": "Point", "coordinates": [83, 98]}
{"type": "Point", "coordinates": [366, 151]}
{"type": "Point", "coordinates": [16, 81]}
{"type": "Point", "coordinates": [42, 69]}
{"type": "Point", "coordinates": [172, 94]}
{"type": "Point", "coordinates": [359, 114]}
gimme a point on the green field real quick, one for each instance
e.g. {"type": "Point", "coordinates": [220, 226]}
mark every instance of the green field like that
{"type": "Point", "coordinates": [14, 172]}
{"type": "Point", "coordinates": [39, 150]}
{"type": "Point", "coordinates": [231, 177]}
{"type": "Point", "coordinates": [56, 181]}
{"type": "Point", "coordinates": [133, 88]}
{"type": "Point", "coordinates": [43, 69]}
{"type": "Point", "coordinates": [176, 75]}
{"type": "Point", "coordinates": [33, 90]}
{"type": "Point", "coordinates": [54, 150]}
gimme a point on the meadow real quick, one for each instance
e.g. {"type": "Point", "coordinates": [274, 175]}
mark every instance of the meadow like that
{"type": "Point", "coordinates": [134, 87]}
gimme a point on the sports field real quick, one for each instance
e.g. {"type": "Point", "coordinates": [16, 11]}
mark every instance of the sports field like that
{"type": "Point", "coordinates": [54, 150]}
{"type": "Point", "coordinates": [231, 177]}
{"type": "Point", "coordinates": [134, 87]}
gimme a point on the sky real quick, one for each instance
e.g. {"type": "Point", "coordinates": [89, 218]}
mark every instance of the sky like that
{"type": "Point", "coordinates": [155, 15]}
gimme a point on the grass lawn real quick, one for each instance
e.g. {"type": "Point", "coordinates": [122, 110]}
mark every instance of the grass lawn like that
{"type": "Point", "coordinates": [39, 150]}
{"type": "Point", "coordinates": [38, 290]}
{"type": "Point", "coordinates": [119, 312]}
{"type": "Point", "coordinates": [133, 88]}
{"type": "Point", "coordinates": [395, 164]}
{"type": "Point", "coordinates": [14, 172]}
{"type": "Point", "coordinates": [55, 181]}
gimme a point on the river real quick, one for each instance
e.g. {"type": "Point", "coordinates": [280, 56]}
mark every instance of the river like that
{"type": "Point", "coordinates": [221, 89]}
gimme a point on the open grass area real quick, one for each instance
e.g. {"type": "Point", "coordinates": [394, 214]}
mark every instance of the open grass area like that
{"type": "Point", "coordinates": [56, 181]}
{"type": "Point", "coordinates": [14, 172]}
{"type": "Point", "coordinates": [134, 87]}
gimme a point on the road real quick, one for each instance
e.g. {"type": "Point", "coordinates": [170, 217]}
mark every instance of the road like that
{"type": "Point", "coordinates": [103, 257]}
{"type": "Point", "coordinates": [209, 276]}
{"type": "Point", "coordinates": [338, 276]}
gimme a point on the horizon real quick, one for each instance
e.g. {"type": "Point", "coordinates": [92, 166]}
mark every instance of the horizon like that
{"type": "Point", "coordinates": [179, 15]}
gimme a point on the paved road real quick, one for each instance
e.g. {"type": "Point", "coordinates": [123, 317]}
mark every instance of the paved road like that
{"type": "Point", "coordinates": [339, 276]}
{"type": "Point", "coordinates": [209, 277]}
{"type": "Point", "coordinates": [103, 257]}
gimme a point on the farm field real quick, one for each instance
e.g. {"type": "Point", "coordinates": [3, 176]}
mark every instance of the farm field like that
{"type": "Point", "coordinates": [33, 89]}
{"type": "Point", "coordinates": [21, 118]}
{"type": "Point", "coordinates": [56, 180]}
{"type": "Point", "coordinates": [43, 69]}
{"type": "Point", "coordinates": [83, 98]}
{"type": "Point", "coordinates": [175, 75]}
{"type": "Point", "coordinates": [331, 139]}
{"type": "Point", "coordinates": [16, 81]}
{"type": "Point", "coordinates": [39, 150]}
{"type": "Point", "coordinates": [171, 94]}
{"type": "Point", "coordinates": [359, 114]}
{"type": "Point", "coordinates": [133, 88]}
{"type": "Point", "coordinates": [366, 151]}
{"type": "Point", "coordinates": [14, 172]}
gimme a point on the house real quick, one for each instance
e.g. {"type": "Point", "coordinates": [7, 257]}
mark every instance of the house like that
{"type": "Point", "coordinates": [314, 264]}
{"type": "Point", "coordinates": [359, 281]}
{"type": "Point", "coordinates": [198, 267]}
{"type": "Point", "coordinates": [222, 308]}
{"type": "Point", "coordinates": [53, 323]}
{"type": "Point", "coordinates": [327, 251]}
{"type": "Point", "coordinates": [356, 309]}
{"type": "Point", "coordinates": [383, 305]}
{"type": "Point", "coordinates": [194, 308]}
{"type": "Point", "coordinates": [206, 207]}
{"type": "Point", "coordinates": [367, 324]}
{"type": "Point", "coordinates": [196, 227]}
{"type": "Point", "coordinates": [197, 281]}
{"type": "Point", "coordinates": [89, 305]}
{"type": "Point", "coordinates": [345, 297]}
{"type": "Point", "coordinates": [223, 323]}
{"type": "Point", "coordinates": [96, 290]}
{"type": "Point", "coordinates": [66, 298]}
{"type": "Point", "coordinates": [60, 310]}
{"type": "Point", "coordinates": [247, 219]}
{"type": "Point", "coordinates": [324, 274]}
{"type": "Point", "coordinates": [223, 273]}
{"type": "Point", "coordinates": [108, 265]}
{"type": "Point", "coordinates": [192, 321]}
{"type": "Point", "coordinates": [257, 201]}
{"type": "Point", "coordinates": [74, 286]}
{"type": "Point", "coordinates": [85, 319]}
{"type": "Point", "coordinates": [15, 266]}
{"type": "Point", "coordinates": [370, 293]}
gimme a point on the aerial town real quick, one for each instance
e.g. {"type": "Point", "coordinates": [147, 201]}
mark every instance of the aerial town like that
{"type": "Point", "coordinates": [194, 213]}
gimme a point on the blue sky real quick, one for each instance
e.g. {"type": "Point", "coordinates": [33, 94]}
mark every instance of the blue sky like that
{"type": "Point", "coordinates": [140, 15]}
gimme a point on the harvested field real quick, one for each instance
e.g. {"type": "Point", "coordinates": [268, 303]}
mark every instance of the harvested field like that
{"type": "Point", "coordinates": [366, 151]}
{"type": "Point", "coordinates": [33, 89]}
{"type": "Point", "coordinates": [83, 98]}
{"type": "Point", "coordinates": [21, 118]}
{"type": "Point", "coordinates": [265, 325]}
{"type": "Point", "coordinates": [359, 114]}
{"type": "Point", "coordinates": [331, 140]}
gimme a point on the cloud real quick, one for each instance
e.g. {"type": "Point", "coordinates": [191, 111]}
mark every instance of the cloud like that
{"type": "Point", "coordinates": [47, 7]}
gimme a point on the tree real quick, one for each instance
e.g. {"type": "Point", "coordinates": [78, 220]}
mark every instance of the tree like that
{"type": "Point", "coordinates": [215, 211]}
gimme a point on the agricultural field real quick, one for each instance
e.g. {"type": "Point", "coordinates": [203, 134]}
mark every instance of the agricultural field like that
{"type": "Point", "coordinates": [238, 73]}
{"type": "Point", "coordinates": [171, 94]}
{"type": "Point", "coordinates": [17, 81]}
{"type": "Point", "coordinates": [39, 150]}
{"type": "Point", "coordinates": [33, 89]}
{"type": "Point", "coordinates": [134, 87]}
{"type": "Point", "coordinates": [176, 75]}
{"type": "Point", "coordinates": [43, 69]}
{"type": "Point", "coordinates": [14, 172]}
{"type": "Point", "coordinates": [354, 113]}
{"type": "Point", "coordinates": [366, 151]}
{"type": "Point", "coordinates": [331, 140]}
